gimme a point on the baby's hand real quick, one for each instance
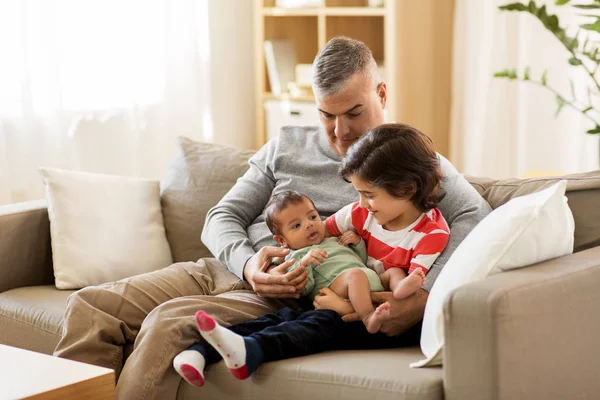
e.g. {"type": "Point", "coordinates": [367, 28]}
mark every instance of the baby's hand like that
{"type": "Point", "coordinates": [315, 256]}
{"type": "Point", "coordinates": [349, 237]}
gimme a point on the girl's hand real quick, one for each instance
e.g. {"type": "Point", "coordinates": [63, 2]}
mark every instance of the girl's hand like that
{"type": "Point", "coordinates": [327, 299]}
{"type": "Point", "coordinates": [349, 237]}
{"type": "Point", "coordinates": [315, 256]}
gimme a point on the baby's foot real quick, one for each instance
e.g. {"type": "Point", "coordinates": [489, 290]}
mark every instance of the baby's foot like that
{"type": "Point", "coordinates": [374, 320]}
{"type": "Point", "coordinates": [189, 364]}
{"type": "Point", "coordinates": [242, 355]}
{"type": "Point", "coordinates": [409, 285]}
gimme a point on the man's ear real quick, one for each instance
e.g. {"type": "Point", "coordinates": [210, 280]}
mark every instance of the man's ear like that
{"type": "Point", "coordinates": [382, 93]}
{"type": "Point", "coordinates": [280, 240]}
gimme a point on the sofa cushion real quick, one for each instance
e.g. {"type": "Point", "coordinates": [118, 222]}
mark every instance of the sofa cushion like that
{"type": "Point", "coordinates": [31, 317]}
{"type": "Point", "coordinates": [366, 374]}
{"type": "Point", "coordinates": [198, 176]}
{"type": "Point", "coordinates": [583, 192]}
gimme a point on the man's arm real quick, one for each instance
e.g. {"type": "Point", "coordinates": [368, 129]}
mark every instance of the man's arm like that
{"type": "Point", "coordinates": [463, 208]}
{"type": "Point", "coordinates": [224, 232]}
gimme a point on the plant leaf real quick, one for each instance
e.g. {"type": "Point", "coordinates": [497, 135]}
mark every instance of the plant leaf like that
{"type": "Point", "coordinates": [526, 75]}
{"type": "Point", "coordinates": [587, 109]}
{"type": "Point", "coordinates": [595, 130]}
{"type": "Point", "coordinates": [561, 2]}
{"type": "Point", "coordinates": [501, 74]}
{"type": "Point", "coordinates": [514, 7]}
{"type": "Point", "coordinates": [572, 90]}
{"type": "Point", "coordinates": [592, 27]}
{"type": "Point", "coordinates": [544, 79]}
{"type": "Point", "coordinates": [561, 103]}
{"type": "Point", "coordinates": [587, 6]}
{"type": "Point", "coordinates": [574, 61]}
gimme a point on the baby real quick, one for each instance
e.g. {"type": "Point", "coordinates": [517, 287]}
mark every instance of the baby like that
{"type": "Point", "coordinates": [336, 263]}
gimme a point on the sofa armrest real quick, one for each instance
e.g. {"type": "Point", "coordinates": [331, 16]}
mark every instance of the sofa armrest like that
{"type": "Point", "coordinates": [529, 333]}
{"type": "Point", "coordinates": [25, 252]}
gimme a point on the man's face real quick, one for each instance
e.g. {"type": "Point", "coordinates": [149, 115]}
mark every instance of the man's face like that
{"type": "Point", "coordinates": [351, 112]}
{"type": "Point", "coordinates": [300, 226]}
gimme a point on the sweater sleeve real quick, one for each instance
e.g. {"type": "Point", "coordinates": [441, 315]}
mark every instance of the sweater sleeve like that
{"type": "Point", "coordinates": [463, 208]}
{"type": "Point", "coordinates": [224, 232]}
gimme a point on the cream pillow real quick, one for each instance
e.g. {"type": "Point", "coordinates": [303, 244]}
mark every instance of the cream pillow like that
{"type": "Point", "coordinates": [524, 231]}
{"type": "Point", "coordinates": [103, 228]}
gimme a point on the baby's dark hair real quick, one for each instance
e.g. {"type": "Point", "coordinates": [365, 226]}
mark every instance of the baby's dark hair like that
{"type": "Point", "coordinates": [399, 159]}
{"type": "Point", "coordinates": [278, 203]}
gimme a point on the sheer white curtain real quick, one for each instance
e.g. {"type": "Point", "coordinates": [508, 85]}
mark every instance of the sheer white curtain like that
{"type": "Point", "coordinates": [507, 129]}
{"type": "Point", "coordinates": [101, 86]}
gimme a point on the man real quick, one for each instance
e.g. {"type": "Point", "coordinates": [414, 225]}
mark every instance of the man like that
{"type": "Point", "coordinates": [155, 312]}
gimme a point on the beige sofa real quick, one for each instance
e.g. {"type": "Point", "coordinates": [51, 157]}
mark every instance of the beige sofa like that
{"type": "Point", "coordinates": [525, 334]}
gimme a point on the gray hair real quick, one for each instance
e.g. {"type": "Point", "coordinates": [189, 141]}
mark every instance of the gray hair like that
{"type": "Point", "coordinates": [338, 61]}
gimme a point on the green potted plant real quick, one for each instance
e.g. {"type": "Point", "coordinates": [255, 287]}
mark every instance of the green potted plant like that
{"type": "Point", "coordinates": [584, 52]}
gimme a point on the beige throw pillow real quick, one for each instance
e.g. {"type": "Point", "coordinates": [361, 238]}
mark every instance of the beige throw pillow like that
{"type": "Point", "coordinates": [103, 228]}
{"type": "Point", "coordinates": [199, 175]}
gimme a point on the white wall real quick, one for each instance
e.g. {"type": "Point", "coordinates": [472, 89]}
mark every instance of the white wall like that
{"type": "Point", "coordinates": [231, 28]}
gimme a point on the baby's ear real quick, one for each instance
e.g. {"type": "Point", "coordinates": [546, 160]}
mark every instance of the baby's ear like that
{"type": "Point", "coordinates": [280, 240]}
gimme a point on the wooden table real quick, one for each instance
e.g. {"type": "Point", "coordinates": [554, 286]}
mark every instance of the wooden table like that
{"type": "Point", "coordinates": [25, 374]}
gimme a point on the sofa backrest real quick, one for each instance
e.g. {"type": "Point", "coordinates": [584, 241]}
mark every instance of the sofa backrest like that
{"type": "Point", "coordinates": [583, 192]}
{"type": "Point", "coordinates": [201, 174]}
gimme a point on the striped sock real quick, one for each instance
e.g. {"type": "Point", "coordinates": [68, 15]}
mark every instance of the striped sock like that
{"type": "Point", "coordinates": [242, 355]}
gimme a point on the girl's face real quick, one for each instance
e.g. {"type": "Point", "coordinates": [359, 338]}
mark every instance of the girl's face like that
{"type": "Point", "coordinates": [390, 212]}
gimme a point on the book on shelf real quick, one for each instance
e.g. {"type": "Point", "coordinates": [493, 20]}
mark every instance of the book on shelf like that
{"type": "Point", "coordinates": [280, 57]}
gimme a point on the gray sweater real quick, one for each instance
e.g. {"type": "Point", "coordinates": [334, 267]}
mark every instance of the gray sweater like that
{"type": "Point", "coordinates": [301, 159]}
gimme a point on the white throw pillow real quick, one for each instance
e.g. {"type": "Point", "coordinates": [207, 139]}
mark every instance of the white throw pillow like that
{"type": "Point", "coordinates": [524, 231]}
{"type": "Point", "coordinates": [103, 228]}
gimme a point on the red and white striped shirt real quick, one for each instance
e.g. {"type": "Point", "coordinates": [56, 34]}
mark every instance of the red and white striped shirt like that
{"type": "Point", "coordinates": [416, 246]}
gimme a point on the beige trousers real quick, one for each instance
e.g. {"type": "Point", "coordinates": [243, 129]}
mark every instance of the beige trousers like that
{"type": "Point", "coordinates": [137, 325]}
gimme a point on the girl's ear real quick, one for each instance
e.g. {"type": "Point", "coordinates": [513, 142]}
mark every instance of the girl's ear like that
{"type": "Point", "coordinates": [414, 189]}
{"type": "Point", "coordinates": [280, 240]}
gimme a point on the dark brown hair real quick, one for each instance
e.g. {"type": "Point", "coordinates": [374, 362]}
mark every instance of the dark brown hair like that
{"type": "Point", "coordinates": [399, 159]}
{"type": "Point", "coordinates": [278, 203]}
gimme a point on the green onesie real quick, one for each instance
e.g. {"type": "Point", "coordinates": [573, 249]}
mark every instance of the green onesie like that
{"type": "Point", "coordinates": [339, 259]}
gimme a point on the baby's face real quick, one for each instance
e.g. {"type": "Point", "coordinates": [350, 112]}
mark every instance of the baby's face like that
{"type": "Point", "coordinates": [300, 226]}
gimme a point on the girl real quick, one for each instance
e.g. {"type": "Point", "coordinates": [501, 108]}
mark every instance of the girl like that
{"type": "Point", "coordinates": [394, 169]}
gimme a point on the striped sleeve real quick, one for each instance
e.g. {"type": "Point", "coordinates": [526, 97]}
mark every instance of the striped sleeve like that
{"type": "Point", "coordinates": [348, 218]}
{"type": "Point", "coordinates": [429, 248]}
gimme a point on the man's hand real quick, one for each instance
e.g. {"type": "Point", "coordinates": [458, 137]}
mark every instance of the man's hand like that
{"type": "Point", "coordinates": [315, 256]}
{"type": "Point", "coordinates": [403, 313]}
{"type": "Point", "coordinates": [327, 299]}
{"type": "Point", "coordinates": [275, 282]}
{"type": "Point", "coordinates": [349, 237]}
